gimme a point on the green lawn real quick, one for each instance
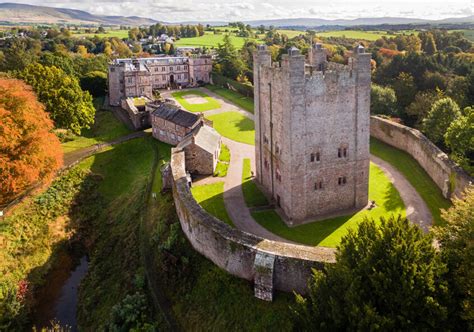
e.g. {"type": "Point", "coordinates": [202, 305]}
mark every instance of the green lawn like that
{"type": "Point", "coordinates": [234, 126]}
{"type": "Point", "coordinates": [211, 198]}
{"type": "Point", "coordinates": [252, 195]}
{"type": "Point", "coordinates": [210, 40]}
{"type": "Point", "coordinates": [110, 33]}
{"type": "Point", "coordinates": [415, 174]}
{"type": "Point", "coordinates": [355, 34]}
{"type": "Point", "coordinates": [106, 128]}
{"type": "Point", "coordinates": [211, 104]}
{"type": "Point", "coordinates": [234, 97]}
{"type": "Point", "coordinates": [329, 232]}
{"type": "Point", "coordinates": [223, 165]}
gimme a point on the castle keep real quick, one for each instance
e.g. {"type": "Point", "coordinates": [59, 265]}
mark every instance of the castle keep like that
{"type": "Point", "coordinates": [312, 132]}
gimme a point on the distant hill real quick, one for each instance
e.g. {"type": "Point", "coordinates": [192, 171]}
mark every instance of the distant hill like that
{"type": "Point", "coordinates": [20, 13]}
{"type": "Point", "coordinates": [314, 22]}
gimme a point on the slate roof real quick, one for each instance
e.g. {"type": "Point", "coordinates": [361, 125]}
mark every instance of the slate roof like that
{"type": "Point", "coordinates": [176, 115]}
{"type": "Point", "coordinates": [203, 136]}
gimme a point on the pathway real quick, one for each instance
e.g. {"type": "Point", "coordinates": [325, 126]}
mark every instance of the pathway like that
{"type": "Point", "coordinates": [416, 208]}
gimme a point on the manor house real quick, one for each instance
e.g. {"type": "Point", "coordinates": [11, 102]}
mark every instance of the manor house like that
{"type": "Point", "coordinates": [312, 132]}
{"type": "Point", "coordinates": [139, 77]}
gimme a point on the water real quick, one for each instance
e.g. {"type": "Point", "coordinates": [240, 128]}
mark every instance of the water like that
{"type": "Point", "coordinates": [57, 300]}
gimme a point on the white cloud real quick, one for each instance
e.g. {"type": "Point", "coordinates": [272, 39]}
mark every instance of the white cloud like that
{"type": "Point", "coordinates": [233, 10]}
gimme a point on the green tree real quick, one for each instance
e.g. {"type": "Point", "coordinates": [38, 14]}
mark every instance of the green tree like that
{"type": "Point", "coordinates": [229, 60]}
{"type": "Point", "coordinates": [420, 107]}
{"type": "Point", "coordinates": [387, 277]}
{"type": "Point", "coordinates": [460, 139]}
{"type": "Point", "coordinates": [442, 114]}
{"type": "Point", "coordinates": [405, 89]}
{"type": "Point", "coordinates": [69, 106]}
{"type": "Point", "coordinates": [383, 100]}
{"type": "Point", "coordinates": [456, 241]}
{"type": "Point", "coordinates": [19, 53]}
{"type": "Point", "coordinates": [430, 45]}
{"type": "Point", "coordinates": [95, 82]}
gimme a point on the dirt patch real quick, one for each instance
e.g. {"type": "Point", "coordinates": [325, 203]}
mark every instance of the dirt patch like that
{"type": "Point", "coordinates": [195, 99]}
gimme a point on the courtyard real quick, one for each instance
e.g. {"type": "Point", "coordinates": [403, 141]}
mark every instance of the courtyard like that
{"type": "Point", "coordinates": [235, 198]}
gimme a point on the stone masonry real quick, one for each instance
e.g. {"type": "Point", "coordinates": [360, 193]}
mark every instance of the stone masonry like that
{"type": "Point", "coordinates": [312, 125]}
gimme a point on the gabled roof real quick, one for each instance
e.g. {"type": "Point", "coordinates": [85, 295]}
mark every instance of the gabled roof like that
{"type": "Point", "coordinates": [175, 114]}
{"type": "Point", "coordinates": [204, 137]}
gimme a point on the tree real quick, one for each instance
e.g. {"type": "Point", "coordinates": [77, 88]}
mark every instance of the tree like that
{"type": "Point", "coordinates": [82, 50]}
{"type": "Point", "coordinates": [69, 106]}
{"type": "Point", "coordinates": [383, 100]}
{"type": "Point", "coordinates": [229, 59]}
{"type": "Point", "coordinates": [19, 54]}
{"type": "Point", "coordinates": [456, 240]}
{"type": "Point", "coordinates": [429, 46]}
{"type": "Point", "coordinates": [420, 107]}
{"type": "Point", "coordinates": [30, 152]}
{"type": "Point", "coordinates": [438, 120]}
{"type": "Point", "coordinates": [95, 82]}
{"type": "Point", "coordinates": [405, 89]}
{"type": "Point", "coordinates": [460, 139]}
{"type": "Point", "coordinates": [387, 276]}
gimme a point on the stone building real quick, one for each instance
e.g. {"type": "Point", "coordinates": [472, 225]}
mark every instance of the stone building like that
{"type": "Point", "coordinates": [170, 124]}
{"type": "Point", "coordinates": [139, 77]}
{"type": "Point", "coordinates": [312, 132]}
{"type": "Point", "coordinates": [201, 149]}
{"type": "Point", "coordinates": [138, 112]}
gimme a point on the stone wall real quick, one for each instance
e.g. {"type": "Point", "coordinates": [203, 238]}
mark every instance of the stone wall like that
{"type": "Point", "coordinates": [449, 177]}
{"type": "Point", "coordinates": [235, 251]}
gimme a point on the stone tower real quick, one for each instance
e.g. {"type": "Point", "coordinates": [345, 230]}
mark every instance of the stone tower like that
{"type": "Point", "coordinates": [312, 132]}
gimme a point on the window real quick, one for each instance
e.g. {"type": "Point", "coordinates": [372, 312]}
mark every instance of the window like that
{"type": "Point", "coordinates": [318, 185]}
{"type": "Point", "coordinates": [339, 153]}
{"type": "Point", "coordinates": [341, 180]}
{"type": "Point", "coordinates": [185, 67]}
{"type": "Point", "coordinates": [179, 68]}
{"type": "Point", "coordinates": [156, 69]}
{"type": "Point", "coordinates": [315, 157]}
{"type": "Point", "coordinates": [344, 152]}
{"type": "Point", "coordinates": [171, 68]}
{"type": "Point", "coordinates": [265, 139]}
{"type": "Point", "coordinates": [163, 68]}
{"type": "Point", "coordinates": [129, 80]}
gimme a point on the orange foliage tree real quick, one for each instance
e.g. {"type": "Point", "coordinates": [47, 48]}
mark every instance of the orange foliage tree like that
{"type": "Point", "coordinates": [29, 151]}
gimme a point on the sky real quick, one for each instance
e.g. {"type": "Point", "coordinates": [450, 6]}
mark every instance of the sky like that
{"type": "Point", "coordinates": [243, 10]}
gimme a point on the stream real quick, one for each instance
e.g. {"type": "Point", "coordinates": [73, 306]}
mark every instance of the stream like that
{"type": "Point", "coordinates": [57, 299]}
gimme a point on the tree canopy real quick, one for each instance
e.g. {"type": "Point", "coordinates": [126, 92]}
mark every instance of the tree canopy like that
{"type": "Point", "coordinates": [30, 151]}
{"type": "Point", "coordinates": [69, 106]}
{"type": "Point", "coordinates": [442, 114]}
{"type": "Point", "coordinates": [383, 100]}
{"type": "Point", "coordinates": [386, 277]}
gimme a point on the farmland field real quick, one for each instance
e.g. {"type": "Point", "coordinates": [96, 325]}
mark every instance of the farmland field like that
{"type": "Point", "coordinates": [355, 34]}
{"type": "Point", "coordinates": [210, 40]}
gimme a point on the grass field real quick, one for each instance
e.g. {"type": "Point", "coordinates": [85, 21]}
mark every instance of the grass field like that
{"type": "Point", "coordinates": [354, 34]}
{"type": "Point", "coordinates": [252, 195]}
{"type": "Point", "coordinates": [210, 40]}
{"type": "Point", "coordinates": [234, 126]}
{"type": "Point", "coordinates": [106, 128]}
{"type": "Point", "coordinates": [415, 174]}
{"type": "Point", "coordinates": [329, 232]}
{"type": "Point", "coordinates": [223, 165]}
{"type": "Point", "coordinates": [469, 34]}
{"type": "Point", "coordinates": [291, 33]}
{"type": "Point", "coordinates": [211, 104]}
{"type": "Point", "coordinates": [211, 198]}
{"type": "Point", "coordinates": [234, 97]}
{"type": "Point", "coordinates": [110, 33]}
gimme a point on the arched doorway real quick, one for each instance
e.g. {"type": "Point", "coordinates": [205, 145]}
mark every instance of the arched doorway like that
{"type": "Point", "coordinates": [171, 79]}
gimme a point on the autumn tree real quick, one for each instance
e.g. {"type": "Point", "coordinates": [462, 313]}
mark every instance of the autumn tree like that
{"type": "Point", "coordinates": [442, 114]}
{"type": "Point", "coordinates": [456, 241]}
{"type": "Point", "coordinates": [69, 106]}
{"type": "Point", "coordinates": [387, 277]}
{"type": "Point", "coordinates": [30, 152]}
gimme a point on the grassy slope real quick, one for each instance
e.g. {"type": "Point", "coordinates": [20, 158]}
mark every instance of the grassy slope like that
{"type": "Point", "coordinates": [415, 174]}
{"type": "Point", "coordinates": [106, 128]}
{"type": "Point", "coordinates": [211, 198]}
{"type": "Point", "coordinates": [223, 165]}
{"type": "Point", "coordinates": [211, 104]}
{"type": "Point", "coordinates": [234, 126]}
{"type": "Point", "coordinates": [329, 232]}
{"type": "Point", "coordinates": [234, 97]}
{"type": "Point", "coordinates": [252, 195]}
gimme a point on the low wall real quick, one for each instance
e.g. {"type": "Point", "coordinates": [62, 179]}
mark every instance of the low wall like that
{"type": "Point", "coordinates": [235, 251]}
{"type": "Point", "coordinates": [449, 177]}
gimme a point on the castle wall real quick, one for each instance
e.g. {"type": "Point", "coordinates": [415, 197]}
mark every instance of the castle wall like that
{"type": "Point", "coordinates": [449, 177]}
{"type": "Point", "coordinates": [234, 250]}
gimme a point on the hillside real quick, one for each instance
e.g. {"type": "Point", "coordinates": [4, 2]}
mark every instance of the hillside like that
{"type": "Point", "coordinates": [20, 13]}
